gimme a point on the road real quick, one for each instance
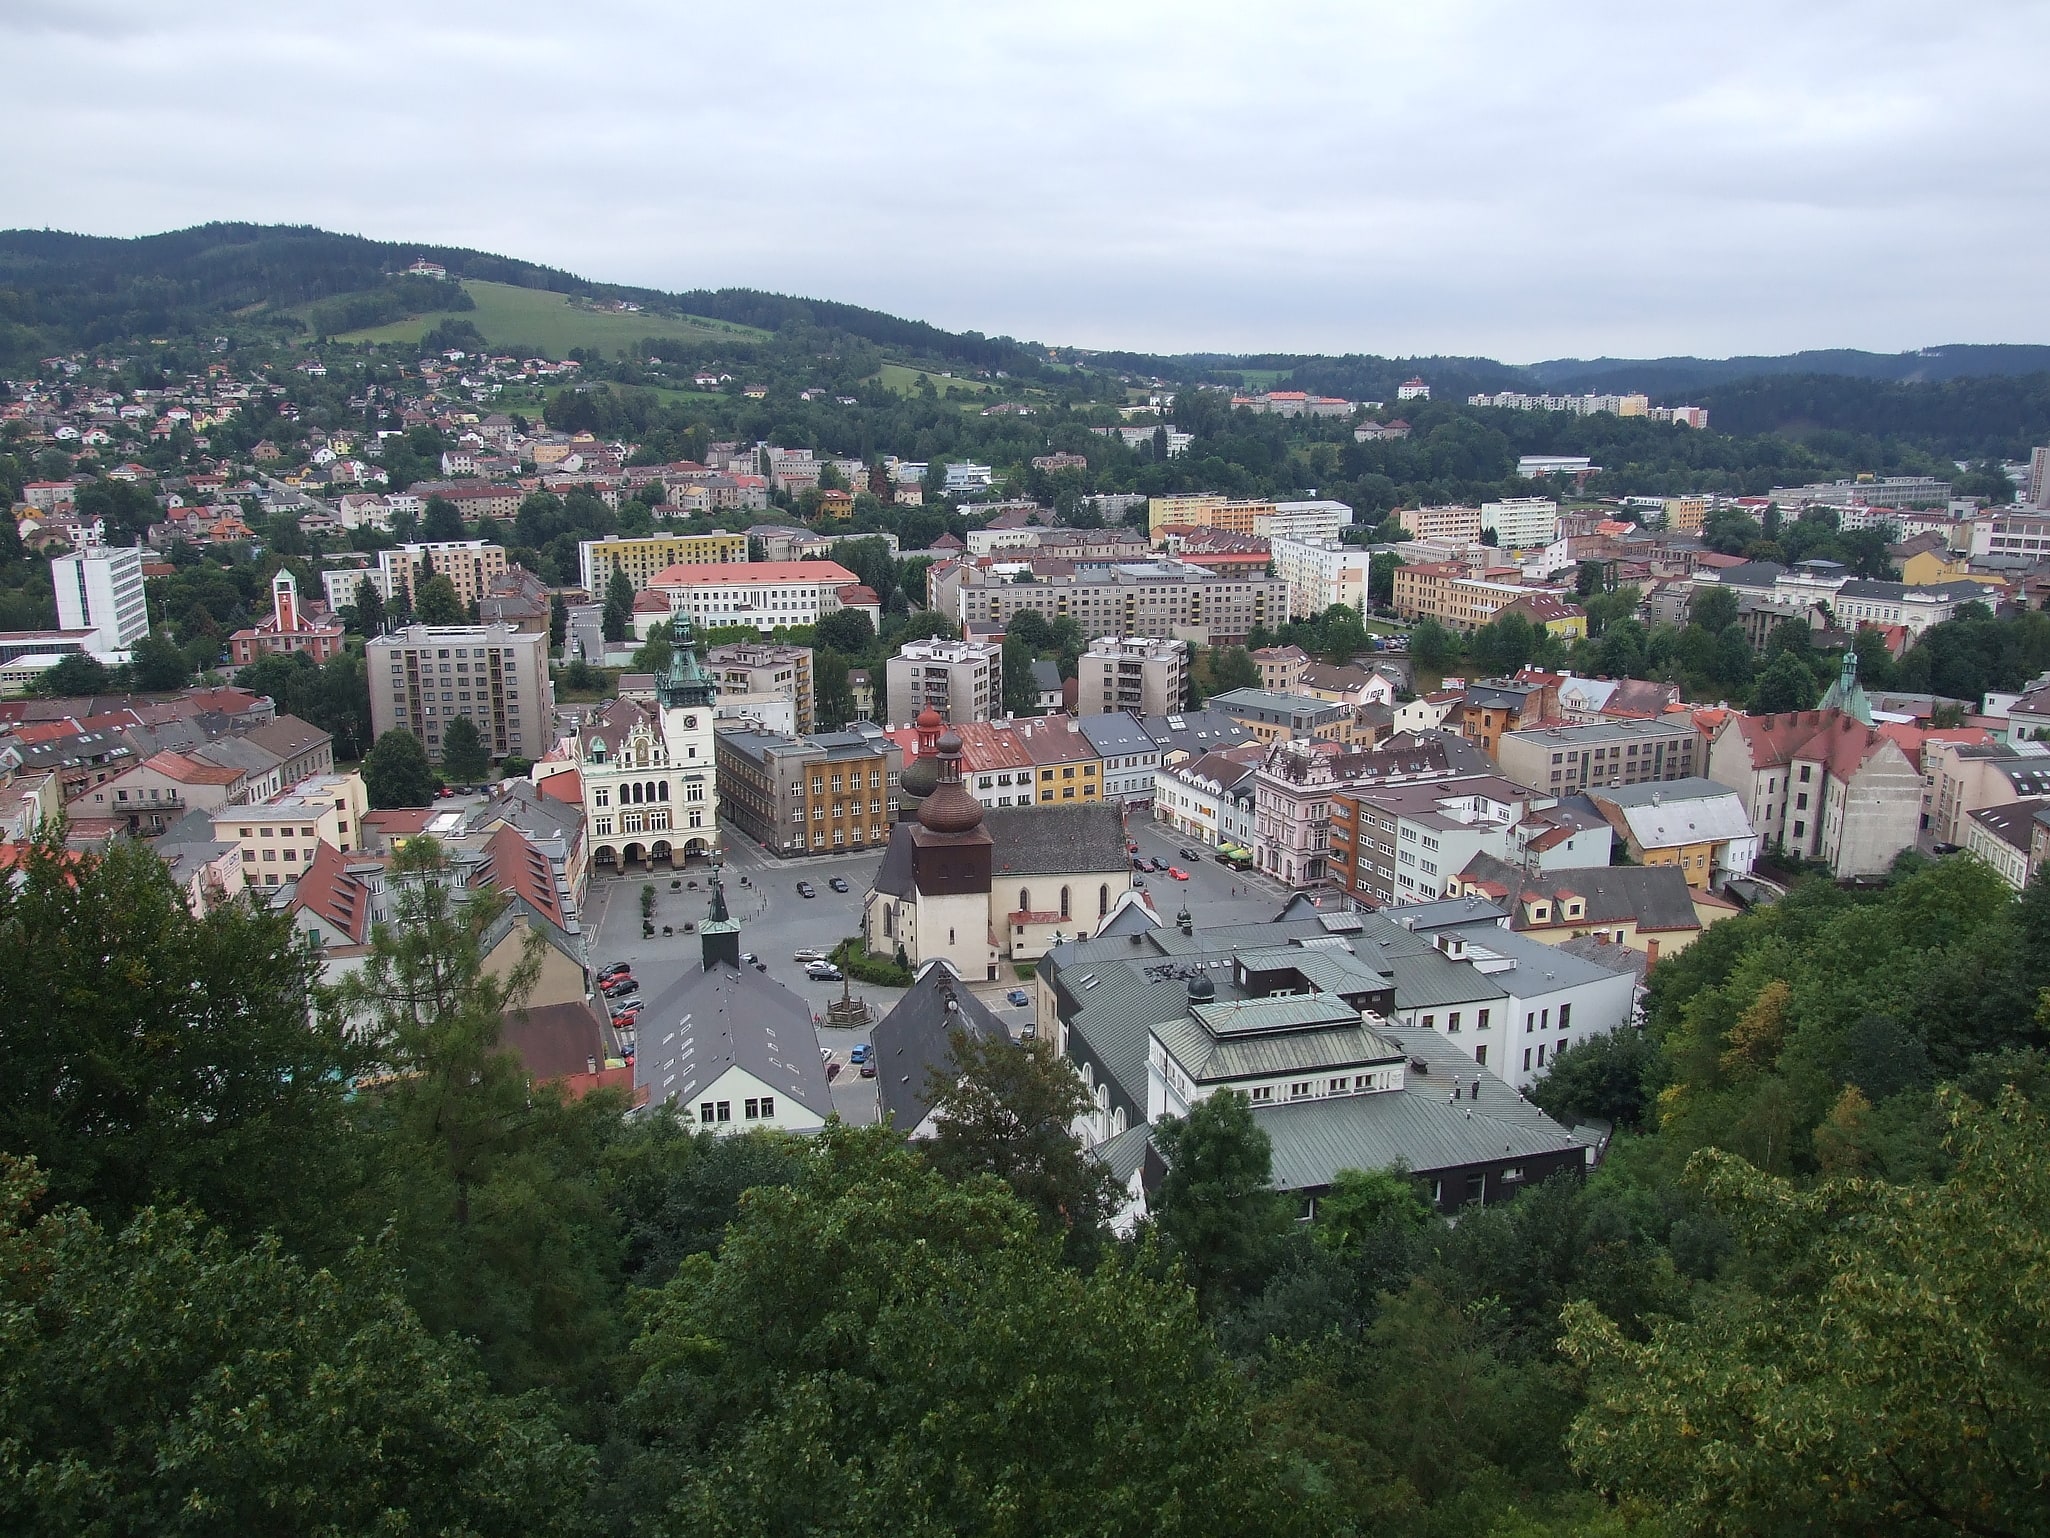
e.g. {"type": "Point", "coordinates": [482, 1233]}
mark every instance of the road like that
{"type": "Point", "coordinates": [1214, 894]}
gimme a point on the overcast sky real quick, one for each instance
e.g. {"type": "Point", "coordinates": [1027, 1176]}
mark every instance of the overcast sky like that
{"type": "Point", "coordinates": [1516, 180]}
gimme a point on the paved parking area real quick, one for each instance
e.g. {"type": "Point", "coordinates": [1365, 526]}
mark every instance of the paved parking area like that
{"type": "Point", "coordinates": [775, 922]}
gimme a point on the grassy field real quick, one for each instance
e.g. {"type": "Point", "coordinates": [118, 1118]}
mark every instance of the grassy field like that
{"type": "Point", "coordinates": [1262, 378]}
{"type": "Point", "coordinates": [904, 380]}
{"type": "Point", "coordinates": [508, 315]}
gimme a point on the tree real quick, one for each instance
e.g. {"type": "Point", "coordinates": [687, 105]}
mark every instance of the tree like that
{"type": "Point", "coordinates": [1878, 1367]}
{"type": "Point", "coordinates": [881, 1321]}
{"type": "Point", "coordinates": [1006, 1108]}
{"type": "Point", "coordinates": [1364, 1202]}
{"type": "Point", "coordinates": [928, 623]}
{"type": "Point", "coordinates": [1029, 626]}
{"type": "Point", "coordinates": [158, 664]}
{"type": "Point", "coordinates": [846, 631]}
{"type": "Point", "coordinates": [1344, 636]}
{"type": "Point", "coordinates": [77, 674]}
{"type": "Point", "coordinates": [619, 606]}
{"type": "Point", "coordinates": [397, 772]}
{"type": "Point", "coordinates": [1021, 692]}
{"type": "Point", "coordinates": [436, 602]}
{"type": "Point", "coordinates": [1432, 646]}
{"type": "Point", "coordinates": [502, 1235]}
{"type": "Point", "coordinates": [1381, 578]}
{"type": "Point", "coordinates": [1713, 609]}
{"type": "Point", "coordinates": [368, 610]}
{"type": "Point", "coordinates": [1215, 1207]}
{"type": "Point", "coordinates": [1606, 1077]}
{"type": "Point", "coordinates": [169, 1379]}
{"type": "Point", "coordinates": [156, 1056]}
{"type": "Point", "coordinates": [1233, 667]}
{"type": "Point", "coordinates": [558, 621]}
{"type": "Point", "coordinates": [464, 758]}
{"type": "Point", "coordinates": [832, 694]}
{"type": "Point", "coordinates": [1786, 684]}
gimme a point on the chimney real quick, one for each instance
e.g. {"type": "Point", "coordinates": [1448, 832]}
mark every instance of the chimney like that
{"type": "Point", "coordinates": [590, 1063]}
{"type": "Point", "coordinates": [1651, 955]}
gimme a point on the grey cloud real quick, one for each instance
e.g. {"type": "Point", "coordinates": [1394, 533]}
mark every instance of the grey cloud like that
{"type": "Point", "coordinates": [1508, 179]}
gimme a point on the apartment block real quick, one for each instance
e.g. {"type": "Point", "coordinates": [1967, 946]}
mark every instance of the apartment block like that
{"type": "Point", "coordinates": [277, 839]}
{"type": "Point", "coordinates": [1274, 717]}
{"type": "Point", "coordinates": [471, 566]}
{"type": "Point", "coordinates": [1146, 676]}
{"type": "Point", "coordinates": [818, 794]}
{"type": "Point", "coordinates": [1519, 523]}
{"type": "Point", "coordinates": [643, 559]}
{"type": "Point", "coordinates": [962, 680]}
{"type": "Point", "coordinates": [760, 668]}
{"type": "Point", "coordinates": [1441, 522]}
{"type": "Point", "coordinates": [1566, 760]}
{"type": "Point", "coordinates": [1453, 596]}
{"type": "Point", "coordinates": [1319, 573]}
{"type": "Point", "coordinates": [422, 677]}
{"type": "Point", "coordinates": [765, 594]}
{"type": "Point", "coordinates": [100, 590]}
{"type": "Point", "coordinates": [1148, 598]}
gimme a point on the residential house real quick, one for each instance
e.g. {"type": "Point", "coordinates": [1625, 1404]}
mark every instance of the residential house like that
{"type": "Point", "coordinates": [1646, 908]}
{"type": "Point", "coordinates": [1693, 823]}
{"type": "Point", "coordinates": [1821, 785]}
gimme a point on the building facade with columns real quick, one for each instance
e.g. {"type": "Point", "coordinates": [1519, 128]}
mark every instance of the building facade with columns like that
{"type": "Point", "coordinates": [651, 794]}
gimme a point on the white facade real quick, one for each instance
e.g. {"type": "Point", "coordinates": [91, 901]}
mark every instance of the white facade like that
{"type": "Point", "coordinates": [962, 680]}
{"type": "Point", "coordinates": [1521, 522]}
{"type": "Point", "coordinates": [766, 595]}
{"type": "Point", "coordinates": [650, 788]}
{"type": "Point", "coordinates": [1318, 520]}
{"type": "Point", "coordinates": [1320, 573]}
{"type": "Point", "coordinates": [967, 477]}
{"type": "Point", "coordinates": [737, 1102]}
{"type": "Point", "coordinates": [101, 590]}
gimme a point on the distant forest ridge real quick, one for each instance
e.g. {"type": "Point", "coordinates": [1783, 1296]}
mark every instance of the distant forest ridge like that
{"type": "Point", "coordinates": [60, 290]}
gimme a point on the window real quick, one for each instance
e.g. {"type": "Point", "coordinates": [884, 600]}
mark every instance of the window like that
{"type": "Point", "coordinates": [1800, 830]}
{"type": "Point", "coordinates": [1529, 1022]}
{"type": "Point", "coordinates": [1452, 1021]}
{"type": "Point", "coordinates": [1338, 1085]}
{"type": "Point", "coordinates": [1541, 1054]}
{"type": "Point", "coordinates": [1565, 1017]}
{"type": "Point", "coordinates": [1561, 1047]}
{"type": "Point", "coordinates": [1262, 1094]}
{"type": "Point", "coordinates": [1526, 1060]}
{"type": "Point", "coordinates": [1481, 1023]}
{"type": "Point", "coordinates": [1300, 1090]}
{"type": "Point", "coordinates": [1430, 1022]}
{"type": "Point", "coordinates": [1480, 1056]}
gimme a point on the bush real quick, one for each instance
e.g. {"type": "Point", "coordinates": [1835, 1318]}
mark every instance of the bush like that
{"type": "Point", "coordinates": [852, 957]}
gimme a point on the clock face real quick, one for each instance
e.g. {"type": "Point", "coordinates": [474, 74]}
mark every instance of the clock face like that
{"type": "Point", "coordinates": [690, 723]}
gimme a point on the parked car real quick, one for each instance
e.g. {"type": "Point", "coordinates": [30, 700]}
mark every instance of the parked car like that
{"type": "Point", "coordinates": [868, 1070]}
{"type": "Point", "coordinates": [1019, 997]}
{"type": "Point", "coordinates": [858, 1053]}
{"type": "Point", "coordinates": [1178, 873]}
{"type": "Point", "coordinates": [1191, 855]}
{"type": "Point", "coordinates": [1139, 882]}
{"type": "Point", "coordinates": [822, 972]}
{"type": "Point", "coordinates": [1131, 848]}
{"type": "Point", "coordinates": [1139, 864]}
{"type": "Point", "coordinates": [838, 883]}
{"type": "Point", "coordinates": [751, 959]}
{"type": "Point", "coordinates": [617, 969]}
{"type": "Point", "coordinates": [1156, 865]}
{"type": "Point", "coordinates": [808, 954]}
{"type": "Point", "coordinates": [806, 889]}
{"type": "Point", "coordinates": [619, 987]}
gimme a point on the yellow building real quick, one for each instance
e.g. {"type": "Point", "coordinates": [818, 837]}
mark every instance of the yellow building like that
{"type": "Point", "coordinates": [1686, 515]}
{"type": "Point", "coordinates": [1931, 567]}
{"type": "Point", "coordinates": [1066, 767]}
{"type": "Point", "coordinates": [1206, 510]}
{"type": "Point", "coordinates": [644, 558]}
{"type": "Point", "coordinates": [278, 839]}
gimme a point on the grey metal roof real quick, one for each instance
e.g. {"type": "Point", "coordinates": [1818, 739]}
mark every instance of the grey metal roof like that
{"type": "Point", "coordinates": [912, 1040]}
{"type": "Point", "coordinates": [1447, 912]}
{"type": "Point", "coordinates": [1046, 676]}
{"type": "Point", "coordinates": [1118, 733]}
{"type": "Point", "coordinates": [893, 877]}
{"type": "Point", "coordinates": [1315, 1049]}
{"type": "Point", "coordinates": [1125, 1153]}
{"type": "Point", "coordinates": [1419, 1125]}
{"type": "Point", "coordinates": [718, 1017]}
{"type": "Point", "coordinates": [1655, 896]}
{"type": "Point", "coordinates": [1194, 732]}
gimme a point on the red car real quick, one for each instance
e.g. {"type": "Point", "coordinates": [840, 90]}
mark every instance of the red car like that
{"type": "Point", "coordinates": [1178, 873]}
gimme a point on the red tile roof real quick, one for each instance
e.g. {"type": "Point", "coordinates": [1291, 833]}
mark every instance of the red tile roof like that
{"type": "Point", "coordinates": [567, 787]}
{"type": "Point", "coordinates": [326, 889]}
{"type": "Point", "coordinates": [751, 573]}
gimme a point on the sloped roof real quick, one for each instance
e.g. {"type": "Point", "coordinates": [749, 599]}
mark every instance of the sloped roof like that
{"type": "Point", "coordinates": [288, 736]}
{"type": "Point", "coordinates": [1654, 897]}
{"type": "Point", "coordinates": [513, 866]}
{"type": "Point", "coordinates": [191, 771]}
{"type": "Point", "coordinates": [1056, 840]}
{"type": "Point", "coordinates": [1419, 1125]}
{"type": "Point", "coordinates": [327, 890]}
{"type": "Point", "coordinates": [719, 1017]}
{"type": "Point", "coordinates": [912, 1040]}
{"type": "Point", "coordinates": [554, 1041]}
{"type": "Point", "coordinates": [1670, 813]}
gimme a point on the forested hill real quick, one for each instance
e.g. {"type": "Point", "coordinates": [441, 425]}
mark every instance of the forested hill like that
{"type": "Point", "coordinates": [61, 291]}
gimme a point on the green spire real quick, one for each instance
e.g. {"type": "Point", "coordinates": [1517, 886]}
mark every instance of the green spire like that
{"type": "Point", "coordinates": [1847, 694]}
{"type": "Point", "coordinates": [685, 683]}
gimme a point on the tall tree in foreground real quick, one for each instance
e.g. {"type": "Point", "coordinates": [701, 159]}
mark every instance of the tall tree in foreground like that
{"type": "Point", "coordinates": [1215, 1206]}
{"type": "Point", "coordinates": [875, 1349]}
{"type": "Point", "coordinates": [464, 758]}
{"type": "Point", "coordinates": [166, 1379]}
{"type": "Point", "coordinates": [1880, 1367]}
{"type": "Point", "coordinates": [147, 1055]}
{"type": "Point", "coordinates": [502, 1233]}
{"type": "Point", "coordinates": [1006, 1108]}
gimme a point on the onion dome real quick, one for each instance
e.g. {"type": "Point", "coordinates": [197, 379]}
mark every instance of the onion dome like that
{"type": "Point", "coordinates": [949, 808]}
{"type": "Point", "coordinates": [919, 777]}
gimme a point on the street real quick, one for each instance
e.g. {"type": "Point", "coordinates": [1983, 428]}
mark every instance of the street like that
{"type": "Point", "coordinates": [1214, 894]}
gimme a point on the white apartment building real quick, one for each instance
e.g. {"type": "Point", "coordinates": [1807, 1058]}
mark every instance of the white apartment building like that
{"type": "Point", "coordinates": [471, 565]}
{"type": "Point", "coordinates": [1895, 603]}
{"type": "Point", "coordinates": [962, 680]}
{"type": "Point", "coordinates": [765, 594]}
{"type": "Point", "coordinates": [1318, 520]}
{"type": "Point", "coordinates": [101, 590]}
{"type": "Point", "coordinates": [1320, 573]}
{"type": "Point", "coordinates": [2016, 533]}
{"type": "Point", "coordinates": [1520, 522]}
{"type": "Point", "coordinates": [1132, 673]}
{"type": "Point", "coordinates": [422, 677]}
{"type": "Point", "coordinates": [965, 477]}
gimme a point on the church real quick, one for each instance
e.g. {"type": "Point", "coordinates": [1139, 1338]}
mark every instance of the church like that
{"type": "Point", "coordinates": [976, 887]}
